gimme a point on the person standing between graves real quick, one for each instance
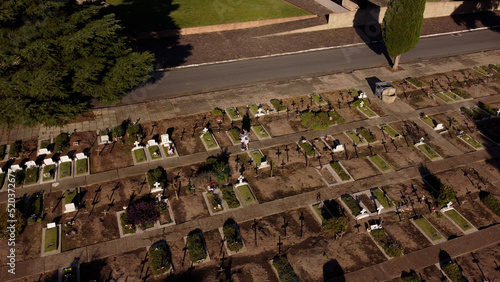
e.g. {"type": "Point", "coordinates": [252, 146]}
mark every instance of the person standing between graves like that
{"type": "Point", "coordinates": [243, 136]}
{"type": "Point", "coordinates": [246, 141]}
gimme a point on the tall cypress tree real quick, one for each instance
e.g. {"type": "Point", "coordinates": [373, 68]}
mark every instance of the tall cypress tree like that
{"type": "Point", "coordinates": [57, 56]}
{"type": "Point", "coordinates": [401, 27]}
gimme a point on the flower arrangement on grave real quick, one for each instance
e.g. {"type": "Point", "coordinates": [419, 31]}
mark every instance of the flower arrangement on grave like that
{"type": "Point", "coordinates": [161, 206]}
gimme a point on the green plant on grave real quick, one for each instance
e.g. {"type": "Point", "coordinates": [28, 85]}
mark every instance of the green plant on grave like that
{"type": "Point", "coordinates": [452, 270]}
{"type": "Point", "coordinates": [15, 149]}
{"type": "Point", "coordinates": [336, 225]}
{"type": "Point", "coordinates": [285, 270]}
{"type": "Point", "coordinates": [490, 201]}
{"type": "Point", "coordinates": [217, 111]}
{"type": "Point", "coordinates": [159, 259]}
{"type": "Point", "coordinates": [316, 120]}
{"type": "Point", "coordinates": [61, 143]}
{"type": "Point", "coordinates": [118, 131]}
{"type": "Point", "coordinates": [134, 130]}
{"type": "Point", "coordinates": [196, 247]}
{"type": "Point", "coordinates": [157, 175]}
{"type": "Point", "coordinates": [232, 237]}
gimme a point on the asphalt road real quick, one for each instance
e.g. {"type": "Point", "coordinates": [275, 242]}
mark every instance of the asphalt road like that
{"type": "Point", "coordinates": [202, 78]}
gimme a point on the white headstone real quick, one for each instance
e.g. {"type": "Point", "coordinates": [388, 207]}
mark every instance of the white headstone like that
{"type": "Point", "coordinates": [51, 225]}
{"type": "Point", "coordinates": [48, 161]}
{"type": "Point", "coordinates": [69, 207]}
{"type": "Point", "coordinates": [30, 164]}
{"type": "Point", "coordinates": [439, 126]}
{"type": "Point", "coordinates": [64, 159]}
{"type": "Point", "coordinates": [15, 167]}
{"type": "Point", "coordinates": [420, 142]}
{"type": "Point", "coordinates": [205, 130]}
{"type": "Point", "coordinates": [362, 104]}
{"type": "Point", "coordinates": [104, 139]}
{"type": "Point", "coordinates": [80, 156]}
{"type": "Point", "coordinates": [379, 209]}
{"type": "Point", "coordinates": [363, 211]}
{"type": "Point", "coordinates": [338, 148]}
{"type": "Point", "coordinates": [136, 144]}
{"type": "Point", "coordinates": [43, 151]}
{"type": "Point", "coordinates": [152, 142]}
{"type": "Point", "coordinates": [449, 204]}
{"type": "Point", "coordinates": [261, 111]}
{"type": "Point", "coordinates": [165, 139]}
{"type": "Point", "coordinates": [240, 179]}
{"type": "Point", "coordinates": [362, 95]}
{"type": "Point", "coordinates": [498, 113]}
{"type": "Point", "coordinates": [157, 185]}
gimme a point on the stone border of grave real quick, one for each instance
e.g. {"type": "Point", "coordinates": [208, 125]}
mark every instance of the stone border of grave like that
{"type": "Point", "coordinates": [448, 208]}
{"type": "Point", "coordinates": [229, 252]}
{"type": "Point", "coordinates": [240, 197]}
{"type": "Point", "coordinates": [170, 269]}
{"type": "Point", "coordinates": [378, 205]}
{"type": "Point", "coordinates": [331, 170]}
{"type": "Point", "coordinates": [152, 143]}
{"type": "Point", "coordinates": [338, 148]}
{"type": "Point", "coordinates": [46, 162]}
{"type": "Point", "coordinates": [318, 168]}
{"type": "Point", "coordinates": [316, 215]}
{"type": "Point", "coordinates": [378, 245]}
{"type": "Point", "coordinates": [425, 235]}
{"type": "Point", "coordinates": [71, 207]}
{"type": "Point", "coordinates": [262, 164]}
{"type": "Point", "coordinates": [391, 169]}
{"type": "Point", "coordinates": [224, 205]}
{"type": "Point", "coordinates": [56, 251]}
{"type": "Point", "coordinates": [385, 132]}
{"type": "Point", "coordinates": [28, 165]}
{"type": "Point", "coordinates": [364, 143]}
{"type": "Point", "coordinates": [137, 146]}
{"type": "Point", "coordinates": [420, 143]}
{"type": "Point", "coordinates": [233, 119]}
{"type": "Point", "coordinates": [66, 159]}
{"type": "Point", "coordinates": [43, 151]}
{"type": "Point", "coordinates": [259, 113]}
{"type": "Point", "coordinates": [316, 151]}
{"type": "Point", "coordinates": [78, 157]}
{"type": "Point", "coordinates": [256, 133]}
{"type": "Point", "coordinates": [207, 259]}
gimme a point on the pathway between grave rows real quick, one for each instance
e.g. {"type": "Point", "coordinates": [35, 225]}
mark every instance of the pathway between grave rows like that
{"type": "Point", "coordinates": [130, 243]}
{"type": "Point", "coordinates": [248, 94]}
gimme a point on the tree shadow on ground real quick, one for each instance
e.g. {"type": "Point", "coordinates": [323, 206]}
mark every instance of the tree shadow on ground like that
{"type": "Point", "coordinates": [369, 30]}
{"type": "Point", "coordinates": [470, 13]}
{"type": "Point", "coordinates": [332, 271]}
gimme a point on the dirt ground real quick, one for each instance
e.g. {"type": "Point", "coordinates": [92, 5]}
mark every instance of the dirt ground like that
{"type": "Point", "coordinates": [360, 168]}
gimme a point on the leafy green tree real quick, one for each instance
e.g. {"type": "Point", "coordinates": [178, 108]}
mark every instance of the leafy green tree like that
{"type": "Point", "coordinates": [401, 27]}
{"type": "Point", "coordinates": [57, 56]}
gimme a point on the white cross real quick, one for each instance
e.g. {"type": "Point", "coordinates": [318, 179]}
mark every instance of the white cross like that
{"type": "Point", "coordinates": [136, 143]}
{"type": "Point", "coordinates": [241, 179]}
{"type": "Point", "coordinates": [205, 130]}
{"type": "Point", "coordinates": [157, 185]}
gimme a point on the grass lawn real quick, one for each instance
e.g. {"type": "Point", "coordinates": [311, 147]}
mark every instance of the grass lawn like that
{"type": "Point", "coordinates": [458, 219]}
{"type": "Point", "coordinates": [139, 154]}
{"type": "Point", "coordinates": [235, 134]}
{"type": "Point", "coordinates": [246, 194]}
{"type": "Point", "coordinates": [428, 229]}
{"type": "Point", "coordinates": [453, 96]}
{"type": "Point", "coordinates": [393, 133]}
{"type": "Point", "coordinates": [31, 176]}
{"type": "Point", "coordinates": [444, 97]}
{"type": "Point", "coordinates": [462, 95]}
{"type": "Point", "coordinates": [318, 99]}
{"type": "Point", "coordinates": [415, 82]}
{"type": "Point", "coordinates": [70, 195]}
{"type": "Point", "coordinates": [376, 159]}
{"type": "Point", "coordinates": [277, 105]}
{"type": "Point", "coordinates": [209, 140]}
{"type": "Point", "coordinates": [261, 131]}
{"type": "Point", "coordinates": [44, 143]}
{"type": "Point", "coordinates": [366, 134]}
{"type": "Point", "coordinates": [51, 239]}
{"type": "Point", "coordinates": [336, 117]}
{"type": "Point", "coordinates": [148, 15]}
{"type": "Point", "coordinates": [354, 137]}
{"type": "Point", "coordinates": [81, 165]}
{"type": "Point", "coordinates": [65, 169]}
{"type": "Point", "coordinates": [428, 151]}
{"type": "Point", "coordinates": [127, 227]}
{"type": "Point", "coordinates": [429, 121]}
{"type": "Point", "coordinates": [233, 113]}
{"type": "Point", "coordinates": [367, 111]}
{"type": "Point", "coordinates": [257, 157]}
{"type": "Point", "coordinates": [154, 152]}
{"type": "Point", "coordinates": [340, 171]}
{"type": "Point", "coordinates": [351, 204]}
{"type": "Point", "coordinates": [35, 205]}
{"type": "Point", "coordinates": [307, 147]}
{"type": "Point", "coordinates": [49, 169]}
{"type": "Point", "coordinates": [254, 109]}
{"type": "Point", "coordinates": [482, 71]}
{"type": "Point", "coordinates": [381, 198]}
{"type": "Point", "coordinates": [471, 141]}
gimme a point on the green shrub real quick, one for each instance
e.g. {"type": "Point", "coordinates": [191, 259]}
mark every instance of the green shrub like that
{"type": "Point", "coordinates": [217, 111]}
{"type": "Point", "coordinates": [61, 143]}
{"type": "Point", "coordinates": [159, 259]}
{"type": "Point", "coordinates": [411, 276]}
{"type": "Point", "coordinates": [351, 204]}
{"type": "Point", "coordinates": [445, 195]}
{"type": "Point", "coordinates": [219, 168]}
{"type": "Point", "coordinates": [230, 197]}
{"type": "Point", "coordinates": [336, 225]}
{"type": "Point", "coordinates": [285, 270]}
{"type": "Point", "coordinates": [134, 130]}
{"type": "Point", "coordinates": [316, 120]}
{"type": "Point", "coordinates": [340, 171]}
{"type": "Point", "coordinates": [487, 108]}
{"type": "Point", "coordinates": [366, 134]}
{"type": "Point", "coordinates": [196, 247]}
{"type": "Point", "coordinates": [15, 149]}
{"type": "Point", "coordinates": [453, 272]}
{"type": "Point", "coordinates": [490, 201]}
{"type": "Point", "coordinates": [118, 131]}
{"type": "Point", "coordinates": [232, 237]}
{"type": "Point", "coordinates": [157, 175]}
{"type": "Point", "coordinates": [277, 105]}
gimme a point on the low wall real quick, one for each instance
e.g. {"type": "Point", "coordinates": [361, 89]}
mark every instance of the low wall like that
{"type": "Point", "coordinates": [432, 10]}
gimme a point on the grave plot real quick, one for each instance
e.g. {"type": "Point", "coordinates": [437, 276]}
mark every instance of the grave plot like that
{"type": "Point", "coordinates": [318, 100]}
{"type": "Point", "coordinates": [331, 216]}
{"type": "Point", "coordinates": [416, 83]}
{"type": "Point", "coordinates": [257, 110]}
{"type": "Point", "coordinates": [65, 167]}
{"type": "Point", "coordinates": [356, 138]}
{"type": "Point", "coordinates": [398, 155]}
{"type": "Point", "coordinates": [475, 113]}
{"type": "Point", "coordinates": [213, 200]}
{"type": "Point", "coordinates": [277, 105]}
{"type": "Point", "coordinates": [31, 174]}
{"type": "Point", "coordinates": [308, 148]}
{"type": "Point", "coordinates": [448, 96]}
{"type": "Point", "coordinates": [233, 113]}
{"type": "Point", "coordinates": [341, 172]}
{"type": "Point", "coordinates": [160, 258]}
{"type": "Point", "coordinates": [49, 170]}
{"type": "Point", "coordinates": [382, 198]}
{"type": "Point", "coordinates": [353, 206]}
{"type": "Point", "coordinates": [157, 179]}
{"type": "Point", "coordinates": [259, 159]}
{"type": "Point", "coordinates": [452, 270]}
{"type": "Point", "coordinates": [154, 150]}
{"type": "Point", "coordinates": [284, 269]}
{"type": "Point", "coordinates": [367, 134]}
{"type": "Point", "coordinates": [278, 126]}
{"type": "Point", "coordinates": [363, 107]}
{"type": "Point", "coordinates": [233, 243]}
{"type": "Point", "coordinates": [418, 99]}
{"type": "Point", "coordinates": [431, 122]}
{"type": "Point", "coordinates": [380, 163]}
{"type": "Point", "coordinates": [389, 131]}
{"type": "Point", "coordinates": [454, 216]}
{"type": "Point", "coordinates": [444, 226]}
{"type": "Point", "coordinates": [333, 144]}
{"type": "Point", "coordinates": [81, 165]}
{"type": "Point", "coordinates": [430, 273]}
{"type": "Point", "coordinates": [428, 151]}
{"type": "Point", "coordinates": [52, 239]}
{"type": "Point", "coordinates": [208, 140]}
{"type": "Point", "coordinates": [359, 168]}
{"type": "Point", "coordinates": [229, 196]}
{"type": "Point", "coordinates": [294, 180]}
{"type": "Point", "coordinates": [430, 232]}
{"type": "Point", "coordinates": [71, 200]}
{"type": "Point", "coordinates": [189, 207]}
{"type": "Point", "coordinates": [409, 237]}
{"type": "Point", "coordinates": [196, 246]}
{"type": "Point", "coordinates": [234, 135]}
{"type": "Point", "coordinates": [390, 247]}
{"type": "Point", "coordinates": [261, 132]}
{"type": "Point", "coordinates": [139, 154]}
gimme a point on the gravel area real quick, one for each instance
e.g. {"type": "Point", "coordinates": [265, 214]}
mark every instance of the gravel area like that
{"type": "Point", "coordinates": [236, 44]}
